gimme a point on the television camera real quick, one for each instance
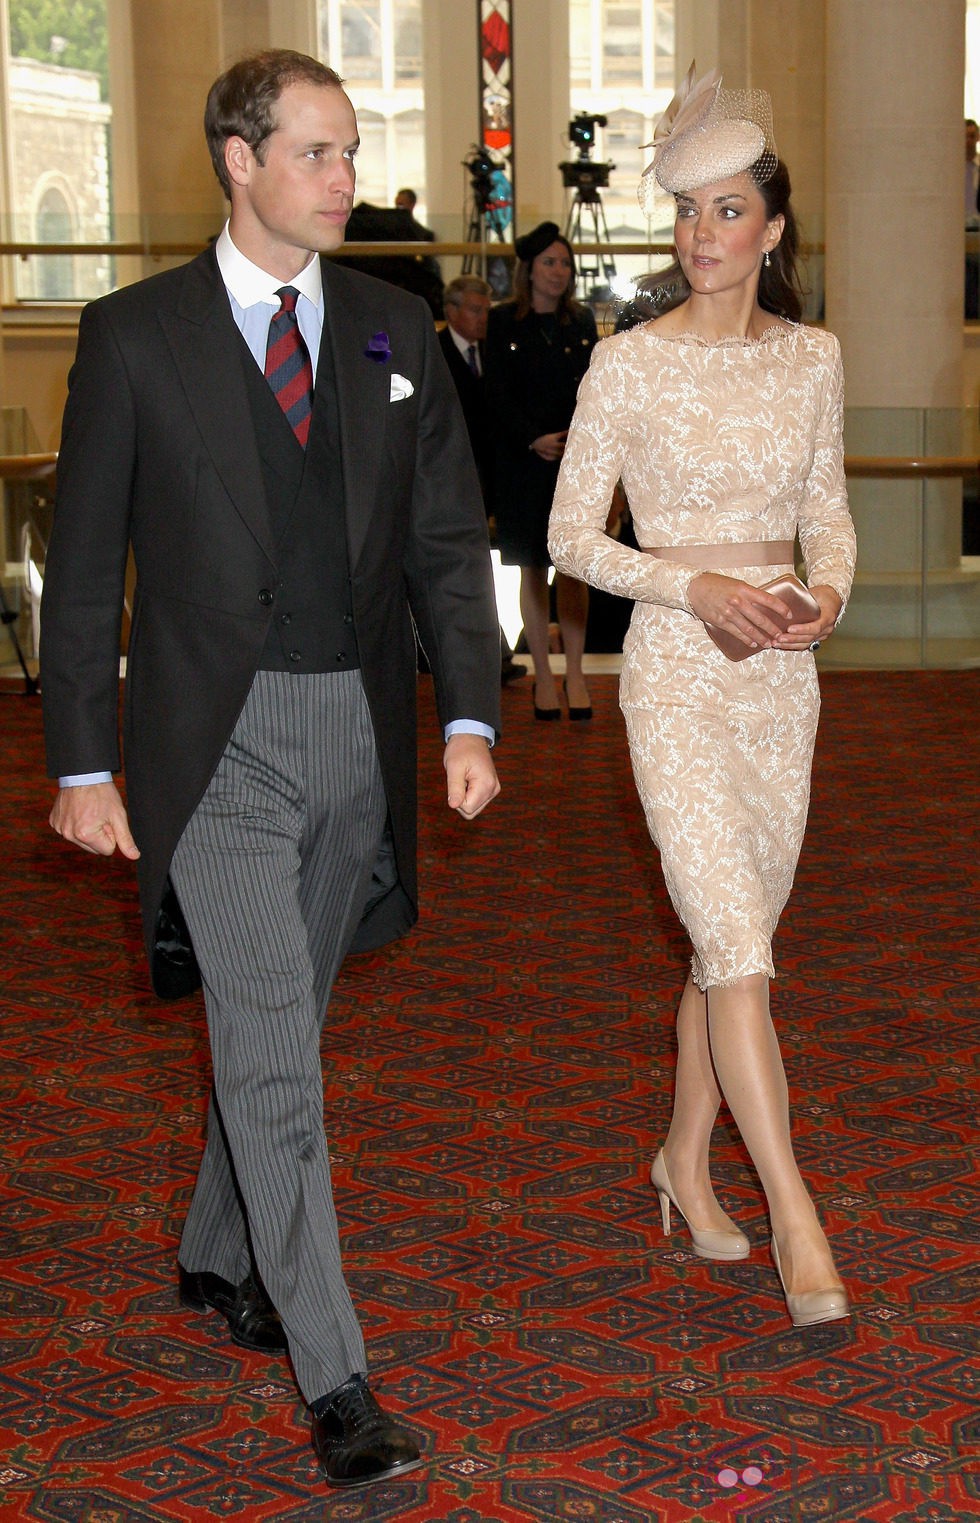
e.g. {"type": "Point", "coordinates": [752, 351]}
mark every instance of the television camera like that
{"type": "Point", "coordinates": [491, 193]}
{"type": "Point", "coordinates": [587, 177]}
{"type": "Point", "coordinates": [582, 174]}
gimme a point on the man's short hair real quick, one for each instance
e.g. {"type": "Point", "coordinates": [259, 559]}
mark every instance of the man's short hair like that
{"type": "Point", "coordinates": [242, 102]}
{"type": "Point", "coordinates": [465, 285]}
{"type": "Point", "coordinates": [409, 195]}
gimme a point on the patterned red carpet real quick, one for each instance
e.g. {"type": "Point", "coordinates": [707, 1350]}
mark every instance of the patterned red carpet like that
{"type": "Point", "coordinates": [495, 1088]}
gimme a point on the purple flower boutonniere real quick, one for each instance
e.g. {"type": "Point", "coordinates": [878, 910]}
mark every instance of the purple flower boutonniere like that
{"type": "Point", "coordinates": [378, 349]}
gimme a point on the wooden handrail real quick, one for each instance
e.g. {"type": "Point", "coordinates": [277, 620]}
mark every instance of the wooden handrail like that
{"type": "Point", "coordinates": [417, 249]}
{"type": "Point", "coordinates": [28, 467]}
{"type": "Point", "coordinates": [38, 467]}
{"type": "Point", "coordinates": [910, 467]}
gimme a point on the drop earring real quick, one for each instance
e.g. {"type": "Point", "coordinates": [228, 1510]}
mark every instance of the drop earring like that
{"type": "Point", "coordinates": [767, 261]}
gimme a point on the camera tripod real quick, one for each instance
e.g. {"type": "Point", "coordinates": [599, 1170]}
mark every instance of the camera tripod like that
{"type": "Point", "coordinates": [490, 210]}
{"type": "Point", "coordinates": [587, 223]}
{"type": "Point", "coordinates": [473, 234]}
{"type": "Point", "coordinates": [8, 619]}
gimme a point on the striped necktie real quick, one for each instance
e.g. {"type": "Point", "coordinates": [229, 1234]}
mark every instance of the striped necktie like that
{"type": "Point", "coordinates": [471, 355]}
{"type": "Point", "coordinates": [287, 365]}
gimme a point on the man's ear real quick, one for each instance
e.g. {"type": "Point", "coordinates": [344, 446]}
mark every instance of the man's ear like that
{"type": "Point", "coordinates": [239, 160]}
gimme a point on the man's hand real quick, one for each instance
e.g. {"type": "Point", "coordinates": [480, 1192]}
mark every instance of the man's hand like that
{"type": "Point", "coordinates": [471, 774]}
{"type": "Point", "coordinates": [93, 817]}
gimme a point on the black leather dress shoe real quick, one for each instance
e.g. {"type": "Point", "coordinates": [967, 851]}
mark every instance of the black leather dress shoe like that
{"type": "Point", "coordinates": [355, 1442]}
{"type": "Point", "coordinates": [251, 1316]}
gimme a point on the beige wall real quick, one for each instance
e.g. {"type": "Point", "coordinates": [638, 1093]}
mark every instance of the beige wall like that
{"type": "Point", "coordinates": [894, 143]}
{"type": "Point", "coordinates": [35, 369]}
{"type": "Point", "coordinates": [176, 55]}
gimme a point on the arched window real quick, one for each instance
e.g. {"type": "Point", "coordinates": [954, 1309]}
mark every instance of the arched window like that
{"type": "Point", "coordinates": [360, 40]}
{"type": "Point", "coordinates": [55, 109]}
{"type": "Point", "coordinates": [376, 45]}
{"type": "Point", "coordinates": [54, 225]}
{"type": "Point", "coordinates": [408, 42]}
{"type": "Point", "coordinates": [409, 154]}
{"type": "Point", "coordinates": [372, 178]}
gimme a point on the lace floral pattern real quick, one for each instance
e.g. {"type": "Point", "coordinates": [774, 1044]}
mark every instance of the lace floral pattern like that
{"type": "Point", "coordinates": [715, 443]}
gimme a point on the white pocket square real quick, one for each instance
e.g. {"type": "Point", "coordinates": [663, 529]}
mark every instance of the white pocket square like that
{"type": "Point", "coordinates": [400, 388]}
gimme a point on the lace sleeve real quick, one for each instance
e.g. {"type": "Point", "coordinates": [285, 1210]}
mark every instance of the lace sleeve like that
{"type": "Point", "coordinates": [825, 527]}
{"type": "Point", "coordinates": [599, 442]}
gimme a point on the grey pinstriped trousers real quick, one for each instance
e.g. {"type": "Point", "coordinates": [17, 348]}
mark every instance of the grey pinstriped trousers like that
{"type": "Point", "coordinates": [271, 873]}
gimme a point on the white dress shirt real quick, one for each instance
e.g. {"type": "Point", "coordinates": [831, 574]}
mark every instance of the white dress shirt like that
{"type": "Point", "coordinates": [464, 347]}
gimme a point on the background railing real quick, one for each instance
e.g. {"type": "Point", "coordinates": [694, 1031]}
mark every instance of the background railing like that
{"type": "Point", "coordinates": [914, 485]}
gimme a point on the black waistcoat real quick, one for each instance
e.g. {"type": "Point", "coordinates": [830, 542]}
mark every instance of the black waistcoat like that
{"type": "Point", "coordinates": [312, 628]}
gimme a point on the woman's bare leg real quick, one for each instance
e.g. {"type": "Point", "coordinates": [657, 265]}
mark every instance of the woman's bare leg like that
{"type": "Point", "coordinates": [534, 612]}
{"type": "Point", "coordinates": [750, 1074]}
{"type": "Point", "coordinates": [696, 1101]}
{"type": "Point", "coordinates": [573, 613]}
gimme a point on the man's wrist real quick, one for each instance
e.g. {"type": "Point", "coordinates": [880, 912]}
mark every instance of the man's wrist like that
{"type": "Point", "coordinates": [469, 727]}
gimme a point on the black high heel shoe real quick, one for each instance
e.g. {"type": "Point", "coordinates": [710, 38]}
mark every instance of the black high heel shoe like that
{"type": "Point", "coordinates": [547, 714]}
{"type": "Point", "coordinates": [584, 713]}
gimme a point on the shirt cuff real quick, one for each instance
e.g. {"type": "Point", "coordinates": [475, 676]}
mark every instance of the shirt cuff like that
{"type": "Point", "coordinates": [470, 727]}
{"type": "Point", "coordinates": [81, 779]}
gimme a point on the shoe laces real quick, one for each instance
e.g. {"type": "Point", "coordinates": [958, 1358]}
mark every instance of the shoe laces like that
{"type": "Point", "coordinates": [356, 1407]}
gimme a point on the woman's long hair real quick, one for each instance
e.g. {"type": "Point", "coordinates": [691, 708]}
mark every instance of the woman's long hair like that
{"type": "Point", "coordinates": [568, 307]}
{"type": "Point", "coordinates": [781, 290]}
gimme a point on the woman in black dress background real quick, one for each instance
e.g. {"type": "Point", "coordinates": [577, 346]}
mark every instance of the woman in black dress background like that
{"type": "Point", "coordinates": [538, 349]}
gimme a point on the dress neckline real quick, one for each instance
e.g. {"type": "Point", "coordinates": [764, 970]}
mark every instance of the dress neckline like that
{"type": "Point", "coordinates": [770, 334]}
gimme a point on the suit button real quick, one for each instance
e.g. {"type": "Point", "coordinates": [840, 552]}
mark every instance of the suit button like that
{"type": "Point", "coordinates": [285, 618]}
{"type": "Point", "coordinates": [265, 597]}
{"type": "Point", "coordinates": [341, 655]}
{"type": "Point", "coordinates": [348, 618]}
{"type": "Point", "coordinates": [295, 655]}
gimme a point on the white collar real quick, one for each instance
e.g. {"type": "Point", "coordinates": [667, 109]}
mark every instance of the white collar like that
{"type": "Point", "coordinates": [462, 344]}
{"type": "Point", "coordinates": [249, 284]}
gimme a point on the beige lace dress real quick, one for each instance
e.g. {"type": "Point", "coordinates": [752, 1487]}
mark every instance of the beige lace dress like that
{"type": "Point", "coordinates": [715, 443]}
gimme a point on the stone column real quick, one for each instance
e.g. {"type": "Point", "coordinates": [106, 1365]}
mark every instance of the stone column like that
{"type": "Point", "coordinates": [177, 53]}
{"type": "Point", "coordinates": [738, 37]}
{"type": "Point", "coordinates": [541, 109]}
{"type": "Point", "coordinates": [894, 198]}
{"type": "Point", "coordinates": [451, 53]}
{"type": "Point", "coordinates": [894, 233]}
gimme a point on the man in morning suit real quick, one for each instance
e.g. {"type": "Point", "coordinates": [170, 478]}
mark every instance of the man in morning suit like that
{"type": "Point", "coordinates": [278, 441]}
{"type": "Point", "coordinates": [467, 302]}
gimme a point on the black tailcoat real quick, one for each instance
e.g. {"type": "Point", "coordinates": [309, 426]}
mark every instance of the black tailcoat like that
{"type": "Point", "coordinates": [158, 453]}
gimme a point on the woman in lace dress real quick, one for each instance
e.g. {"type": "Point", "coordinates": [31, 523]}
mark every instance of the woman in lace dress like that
{"type": "Point", "coordinates": [723, 419]}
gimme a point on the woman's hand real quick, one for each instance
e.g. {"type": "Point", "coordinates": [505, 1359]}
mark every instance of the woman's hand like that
{"type": "Point", "coordinates": [803, 636]}
{"type": "Point", "coordinates": [550, 446]}
{"type": "Point", "coordinates": [741, 609]}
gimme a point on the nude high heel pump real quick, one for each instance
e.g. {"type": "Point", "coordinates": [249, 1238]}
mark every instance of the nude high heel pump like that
{"type": "Point", "coordinates": [709, 1243]}
{"type": "Point", "coordinates": [812, 1306]}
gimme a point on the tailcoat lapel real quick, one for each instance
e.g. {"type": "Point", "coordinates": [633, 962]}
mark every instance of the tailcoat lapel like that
{"type": "Point", "coordinates": [363, 388]}
{"type": "Point", "coordinates": [207, 351]}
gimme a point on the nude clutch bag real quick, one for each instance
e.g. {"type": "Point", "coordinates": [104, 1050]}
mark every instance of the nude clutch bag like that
{"type": "Point", "coordinates": [803, 607]}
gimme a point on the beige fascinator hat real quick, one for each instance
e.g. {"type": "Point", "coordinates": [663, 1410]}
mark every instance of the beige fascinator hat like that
{"type": "Point", "coordinates": [708, 134]}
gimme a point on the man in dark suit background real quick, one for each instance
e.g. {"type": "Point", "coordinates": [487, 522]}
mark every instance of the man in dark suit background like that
{"type": "Point", "coordinates": [467, 301]}
{"type": "Point", "coordinates": [279, 442]}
